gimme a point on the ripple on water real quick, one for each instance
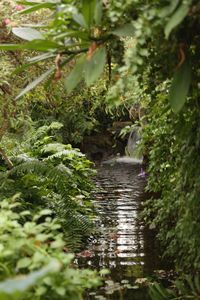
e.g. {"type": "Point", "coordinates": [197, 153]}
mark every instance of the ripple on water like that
{"type": "Point", "coordinates": [119, 244]}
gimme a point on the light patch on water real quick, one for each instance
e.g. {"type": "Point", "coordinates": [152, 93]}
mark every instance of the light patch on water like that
{"type": "Point", "coordinates": [119, 245]}
{"type": "Point", "coordinates": [123, 159]}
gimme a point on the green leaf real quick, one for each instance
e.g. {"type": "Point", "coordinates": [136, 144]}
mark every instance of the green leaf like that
{"type": "Point", "coordinates": [169, 9]}
{"type": "Point", "coordinates": [58, 244]}
{"type": "Point", "coordinates": [41, 57]}
{"type": "Point", "coordinates": [98, 12]}
{"type": "Point", "coordinates": [88, 9]}
{"type": "Point", "coordinates": [76, 75]}
{"type": "Point", "coordinates": [28, 34]}
{"type": "Point", "coordinates": [12, 47]}
{"type": "Point", "coordinates": [35, 8]}
{"type": "Point", "coordinates": [37, 45]}
{"type": "Point", "coordinates": [20, 284]}
{"type": "Point", "coordinates": [125, 30]}
{"type": "Point", "coordinates": [177, 18]}
{"type": "Point", "coordinates": [95, 66]}
{"type": "Point", "coordinates": [79, 19]}
{"type": "Point", "coordinates": [23, 263]}
{"type": "Point", "coordinates": [73, 33]}
{"type": "Point", "coordinates": [42, 45]}
{"type": "Point", "coordinates": [37, 81]}
{"type": "Point", "coordinates": [180, 87]}
{"type": "Point", "coordinates": [30, 2]}
{"type": "Point", "coordinates": [33, 60]}
{"type": "Point", "coordinates": [104, 272]}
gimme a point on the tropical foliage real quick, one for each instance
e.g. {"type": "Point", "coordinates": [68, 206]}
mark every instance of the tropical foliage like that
{"type": "Point", "coordinates": [33, 250]}
{"type": "Point", "coordinates": [148, 55]}
{"type": "Point", "coordinates": [49, 174]}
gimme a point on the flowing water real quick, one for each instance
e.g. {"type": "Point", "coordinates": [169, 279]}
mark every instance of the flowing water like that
{"type": "Point", "coordinates": [122, 245]}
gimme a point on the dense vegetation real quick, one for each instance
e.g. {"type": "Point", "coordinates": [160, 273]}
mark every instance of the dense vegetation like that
{"type": "Point", "coordinates": [138, 59]}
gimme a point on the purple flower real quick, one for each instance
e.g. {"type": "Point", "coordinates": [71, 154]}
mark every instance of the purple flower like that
{"type": "Point", "coordinates": [142, 173]}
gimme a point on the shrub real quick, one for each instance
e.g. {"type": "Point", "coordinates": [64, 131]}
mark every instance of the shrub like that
{"type": "Point", "coordinates": [29, 243]}
{"type": "Point", "coordinates": [50, 174]}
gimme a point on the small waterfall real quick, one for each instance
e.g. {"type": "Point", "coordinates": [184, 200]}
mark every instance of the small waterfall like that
{"type": "Point", "coordinates": [132, 152]}
{"type": "Point", "coordinates": [133, 143]}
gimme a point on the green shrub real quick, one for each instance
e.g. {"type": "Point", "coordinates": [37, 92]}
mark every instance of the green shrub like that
{"type": "Point", "coordinates": [49, 174]}
{"type": "Point", "coordinates": [29, 243]}
{"type": "Point", "coordinates": [172, 144]}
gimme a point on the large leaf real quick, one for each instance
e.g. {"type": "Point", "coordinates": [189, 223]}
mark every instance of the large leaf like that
{"type": "Point", "coordinates": [76, 75]}
{"type": "Point", "coordinates": [95, 66]}
{"type": "Point", "coordinates": [37, 45]}
{"type": "Point", "coordinates": [28, 34]}
{"type": "Point", "coordinates": [177, 18]}
{"type": "Point", "coordinates": [79, 19]}
{"type": "Point", "coordinates": [42, 45]}
{"type": "Point", "coordinates": [98, 12]}
{"type": "Point", "coordinates": [88, 10]}
{"type": "Point", "coordinates": [15, 287]}
{"type": "Point", "coordinates": [169, 9]}
{"type": "Point", "coordinates": [180, 87]}
{"type": "Point", "coordinates": [125, 30]}
{"type": "Point", "coordinates": [37, 81]}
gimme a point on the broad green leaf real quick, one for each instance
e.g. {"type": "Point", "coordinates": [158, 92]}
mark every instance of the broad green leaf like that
{"type": "Point", "coordinates": [35, 8]}
{"type": "Point", "coordinates": [37, 81]}
{"type": "Point", "coordinates": [180, 87]}
{"type": "Point", "coordinates": [28, 34]}
{"type": "Point", "coordinates": [125, 30]}
{"type": "Point", "coordinates": [98, 12]}
{"type": "Point", "coordinates": [23, 263]}
{"type": "Point", "coordinates": [88, 9]}
{"type": "Point", "coordinates": [37, 45]}
{"type": "Point", "coordinates": [79, 19]}
{"type": "Point", "coordinates": [76, 75]}
{"type": "Point", "coordinates": [58, 244]}
{"type": "Point", "coordinates": [177, 18]}
{"type": "Point", "coordinates": [95, 65]}
{"type": "Point", "coordinates": [20, 284]}
{"type": "Point", "coordinates": [42, 45]}
{"type": "Point", "coordinates": [169, 9]}
{"type": "Point", "coordinates": [13, 47]}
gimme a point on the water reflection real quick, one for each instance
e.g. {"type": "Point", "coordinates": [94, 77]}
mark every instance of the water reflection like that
{"type": "Point", "coordinates": [120, 245]}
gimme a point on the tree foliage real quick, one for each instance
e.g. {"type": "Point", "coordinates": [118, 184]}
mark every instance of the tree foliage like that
{"type": "Point", "coordinates": [150, 52]}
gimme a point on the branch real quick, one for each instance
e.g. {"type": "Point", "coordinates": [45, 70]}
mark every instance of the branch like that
{"type": "Point", "coordinates": [6, 159]}
{"type": "Point", "coordinates": [69, 52]}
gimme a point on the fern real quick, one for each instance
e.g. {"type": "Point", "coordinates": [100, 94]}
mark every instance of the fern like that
{"type": "Point", "coordinates": [52, 175]}
{"type": "Point", "coordinates": [58, 179]}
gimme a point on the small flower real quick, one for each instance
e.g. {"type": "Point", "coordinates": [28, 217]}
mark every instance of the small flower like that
{"type": "Point", "coordinates": [142, 173]}
{"type": "Point", "coordinates": [19, 7]}
{"type": "Point", "coordinates": [6, 22]}
{"type": "Point", "coordinates": [85, 253]}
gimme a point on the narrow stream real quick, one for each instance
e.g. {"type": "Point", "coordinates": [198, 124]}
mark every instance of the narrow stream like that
{"type": "Point", "coordinates": [122, 245]}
